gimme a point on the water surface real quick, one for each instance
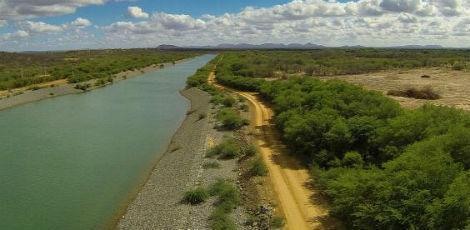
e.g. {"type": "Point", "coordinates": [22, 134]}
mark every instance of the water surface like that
{"type": "Point", "coordinates": [69, 162]}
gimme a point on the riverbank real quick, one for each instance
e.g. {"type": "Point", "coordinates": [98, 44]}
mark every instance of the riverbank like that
{"type": "Point", "coordinates": [57, 88]}
{"type": "Point", "coordinates": [158, 204]}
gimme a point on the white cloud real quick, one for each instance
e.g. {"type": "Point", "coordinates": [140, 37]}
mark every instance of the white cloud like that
{"type": "Point", "coordinates": [15, 35]}
{"type": "Point", "coordinates": [364, 22]}
{"type": "Point", "coordinates": [21, 9]}
{"type": "Point", "coordinates": [81, 22]}
{"type": "Point", "coordinates": [370, 22]}
{"type": "Point", "coordinates": [136, 12]}
{"type": "Point", "coordinates": [40, 27]}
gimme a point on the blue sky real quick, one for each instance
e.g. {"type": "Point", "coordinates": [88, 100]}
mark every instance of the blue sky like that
{"type": "Point", "coordinates": [115, 11]}
{"type": "Point", "coordinates": [78, 24]}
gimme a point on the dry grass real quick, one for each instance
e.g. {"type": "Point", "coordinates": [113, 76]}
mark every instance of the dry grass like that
{"type": "Point", "coordinates": [452, 85]}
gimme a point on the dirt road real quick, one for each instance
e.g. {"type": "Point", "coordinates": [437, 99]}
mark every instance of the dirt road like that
{"type": "Point", "coordinates": [297, 200]}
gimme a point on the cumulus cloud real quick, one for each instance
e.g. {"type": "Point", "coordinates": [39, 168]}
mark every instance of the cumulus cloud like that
{"type": "Point", "coordinates": [40, 27]}
{"type": "Point", "coordinates": [365, 22]}
{"type": "Point", "coordinates": [15, 35]}
{"type": "Point", "coordinates": [21, 9]}
{"type": "Point", "coordinates": [136, 12]}
{"type": "Point", "coordinates": [81, 22]}
{"type": "Point", "coordinates": [381, 21]}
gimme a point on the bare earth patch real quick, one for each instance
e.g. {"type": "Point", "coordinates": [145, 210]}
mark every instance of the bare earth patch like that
{"type": "Point", "coordinates": [452, 86]}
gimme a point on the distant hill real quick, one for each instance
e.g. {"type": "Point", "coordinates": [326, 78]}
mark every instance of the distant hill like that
{"type": "Point", "coordinates": [298, 46]}
{"type": "Point", "coordinates": [167, 47]}
{"type": "Point", "coordinates": [418, 47]}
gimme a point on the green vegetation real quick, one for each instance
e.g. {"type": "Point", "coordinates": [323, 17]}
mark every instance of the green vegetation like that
{"type": "Point", "coordinates": [383, 167]}
{"type": "Point", "coordinates": [228, 149]}
{"type": "Point", "coordinates": [325, 62]}
{"type": "Point", "coordinates": [277, 222]}
{"type": "Point", "coordinates": [228, 199]}
{"type": "Point", "coordinates": [258, 167]}
{"type": "Point", "coordinates": [23, 69]}
{"type": "Point", "coordinates": [230, 119]}
{"type": "Point", "coordinates": [196, 196]}
{"type": "Point", "coordinates": [199, 79]}
{"type": "Point", "coordinates": [249, 150]}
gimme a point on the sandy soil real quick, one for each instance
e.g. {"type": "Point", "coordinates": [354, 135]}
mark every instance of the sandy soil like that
{"type": "Point", "coordinates": [300, 204]}
{"type": "Point", "coordinates": [451, 85]}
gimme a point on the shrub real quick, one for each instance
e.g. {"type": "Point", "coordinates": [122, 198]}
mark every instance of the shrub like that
{"type": "Point", "coordinates": [219, 220]}
{"type": "Point", "coordinates": [228, 149]}
{"type": "Point", "coordinates": [230, 119]}
{"type": "Point", "coordinates": [229, 196]}
{"type": "Point", "coordinates": [277, 222]}
{"type": "Point", "coordinates": [250, 150]}
{"type": "Point", "coordinates": [229, 101]}
{"type": "Point", "coordinates": [258, 167]}
{"type": "Point", "coordinates": [196, 196]}
{"type": "Point", "coordinates": [425, 93]}
{"type": "Point", "coordinates": [228, 199]}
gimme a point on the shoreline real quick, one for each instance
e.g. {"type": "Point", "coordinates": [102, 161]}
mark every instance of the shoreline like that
{"type": "Point", "coordinates": [24, 95]}
{"type": "Point", "coordinates": [162, 199]}
{"type": "Point", "coordinates": [132, 195]}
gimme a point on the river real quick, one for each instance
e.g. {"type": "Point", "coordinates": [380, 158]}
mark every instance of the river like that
{"type": "Point", "coordinates": [70, 162]}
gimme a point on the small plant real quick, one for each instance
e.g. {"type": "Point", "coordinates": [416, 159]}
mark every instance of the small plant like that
{"type": "Point", "coordinates": [277, 222]}
{"type": "Point", "coordinates": [228, 149]}
{"type": "Point", "coordinates": [230, 119]}
{"type": "Point", "coordinates": [219, 220]}
{"type": "Point", "coordinates": [51, 94]}
{"type": "Point", "coordinates": [196, 196]}
{"type": "Point", "coordinates": [250, 150]}
{"type": "Point", "coordinates": [211, 165]}
{"type": "Point", "coordinates": [258, 167]}
{"type": "Point", "coordinates": [228, 101]}
{"type": "Point", "coordinates": [425, 76]}
{"type": "Point", "coordinates": [229, 196]}
{"type": "Point", "coordinates": [202, 116]}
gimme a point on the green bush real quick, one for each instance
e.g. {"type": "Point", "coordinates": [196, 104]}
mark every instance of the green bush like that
{"type": "Point", "coordinates": [250, 150]}
{"type": "Point", "coordinates": [220, 220]}
{"type": "Point", "coordinates": [258, 167]}
{"type": "Point", "coordinates": [230, 119]}
{"type": "Point", "coordinates": [196, 196]}
{"type": "Point", "coordinates": [228, 199]}
{"type": "Point", "coordinates": [228, 149]}
{"type": "Point", "coordinates": [229, 101]}
{"type": "Point", "coordinates": [277, 222]}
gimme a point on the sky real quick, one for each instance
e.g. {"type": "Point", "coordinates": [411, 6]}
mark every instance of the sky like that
{"type": "Point", "coordinates": [33, 25]}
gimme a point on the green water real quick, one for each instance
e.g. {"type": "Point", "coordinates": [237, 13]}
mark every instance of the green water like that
{"type": "Point", "coordinates": [69, 162]}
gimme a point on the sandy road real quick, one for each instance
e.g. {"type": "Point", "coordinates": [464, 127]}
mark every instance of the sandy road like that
{"type": "Point", "coordinates": [289, 178]}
